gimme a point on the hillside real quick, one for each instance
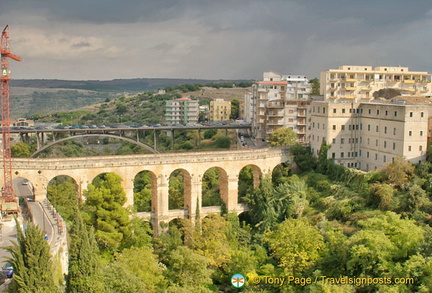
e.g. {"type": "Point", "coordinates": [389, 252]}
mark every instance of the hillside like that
{"type": "Point", "coordinates": [30, 97]}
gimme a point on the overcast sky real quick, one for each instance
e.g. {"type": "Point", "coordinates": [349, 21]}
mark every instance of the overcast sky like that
{"type": "Point", "coordinates": [217, 39]}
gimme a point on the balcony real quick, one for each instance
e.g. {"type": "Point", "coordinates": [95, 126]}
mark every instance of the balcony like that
{"type": "Point", "coordinates": [301, 122]}
{"type": "Point", "coordinates": [275, 105]}
{"type": "Point", "coordinates": [301, 114]}
{"type": "Point", "coordinates": [351, 79]}
{"type": "Point", "coordinates": [350, 97]}
{"type": "Point", "coordinates": [275, 114]}
{"type": "Point", "coordinates": [409, 81]}
{"type": "Point", "coordinates": [350, 88]}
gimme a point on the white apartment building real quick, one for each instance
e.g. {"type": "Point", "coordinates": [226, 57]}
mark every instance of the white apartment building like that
{"type": "Point", "coordinates": [181, 111]}
{"type": "Point", "coordinates": [358, 83]}
{"type": "Point", "coordinates": [368, 135]}
{"type": "Point", "coordinates": [279, 101]}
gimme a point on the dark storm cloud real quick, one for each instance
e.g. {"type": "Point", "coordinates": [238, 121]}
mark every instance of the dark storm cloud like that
{"type": "Point", "coordinates": [216, 38]}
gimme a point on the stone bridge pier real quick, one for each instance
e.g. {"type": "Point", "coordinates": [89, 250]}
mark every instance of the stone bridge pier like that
{"type": "Point", "coordinates": [193, 165]}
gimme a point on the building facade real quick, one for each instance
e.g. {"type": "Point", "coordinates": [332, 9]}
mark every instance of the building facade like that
{"type": "Point", "coordinates": [220, 110]}
{"type": "Point", "coordinates": [181, 111]}
{"type": "Point", "coordinates": [358, 83]}
{"type": "Point", "coordinates": [279, 101]}
{"type": "Point", "coordinates": [369, 135]}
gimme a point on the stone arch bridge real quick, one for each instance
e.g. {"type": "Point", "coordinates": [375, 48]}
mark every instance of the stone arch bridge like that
{"type": "Point", "coordinates": [83, 170]}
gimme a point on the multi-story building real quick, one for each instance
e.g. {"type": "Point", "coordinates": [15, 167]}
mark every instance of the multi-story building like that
{"type": "Point", "coordinates": [220, 110]}
{"type": "Point", "coordinates": [280, 101]}
{"type": "Point", "coordinates": [181, 111]}
{"type": "Point", "coordinates": [359, 83]}
{"type": "Point", "coordinates": [368, 135]}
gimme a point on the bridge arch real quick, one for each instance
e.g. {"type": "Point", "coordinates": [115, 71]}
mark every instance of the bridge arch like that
{"type": "Point", "coordinates": [145, 191]}
{"type": "Point", "coordinates": [141, 144]}
{"type": "Point", "coordinates": [214, 187]}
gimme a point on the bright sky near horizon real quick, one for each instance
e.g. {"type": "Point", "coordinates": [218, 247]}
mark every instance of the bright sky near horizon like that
{"type": "Point", "coordinates": [225, 39]}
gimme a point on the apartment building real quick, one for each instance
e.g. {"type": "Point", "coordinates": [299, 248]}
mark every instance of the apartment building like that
{"type": "Point", "coordinates": [181, 111]}
{"type": "Point", "coordinates": [359, 83]}
{"type": "Point", "coordinates": [368, 135]}
{"type": "Point", "coordinates": [279, 101]}
{"type": "Point", "coordinates": [220, 110]}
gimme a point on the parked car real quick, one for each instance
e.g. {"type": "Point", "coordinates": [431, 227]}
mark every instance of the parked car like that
{"type": "Point", "coordinates": [8, 270]}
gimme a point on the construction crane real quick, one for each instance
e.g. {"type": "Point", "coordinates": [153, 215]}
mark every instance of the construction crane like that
{"type": "Point", "coordinates": [9, 201]}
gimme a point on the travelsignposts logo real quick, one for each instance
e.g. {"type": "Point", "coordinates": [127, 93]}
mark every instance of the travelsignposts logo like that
{"type": "Point", "coordinates": [238, 280]}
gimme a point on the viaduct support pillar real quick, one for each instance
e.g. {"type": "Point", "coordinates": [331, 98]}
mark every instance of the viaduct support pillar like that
{"type": "Point", "coordinates": [194, 201]}
{"type": "Point", "coordinates": [127, 185]}
{"type": "Point", "coordinates": [161, 215]}
{"type": "Point", "coordinates": [231, 201]}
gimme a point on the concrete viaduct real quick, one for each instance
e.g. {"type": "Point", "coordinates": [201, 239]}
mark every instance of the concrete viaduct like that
{"type": "Point", "coordinates": [83, 170]}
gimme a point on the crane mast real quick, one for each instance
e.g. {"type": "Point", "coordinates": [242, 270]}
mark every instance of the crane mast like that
{"type": "Point", "coordinates": [8, 195]}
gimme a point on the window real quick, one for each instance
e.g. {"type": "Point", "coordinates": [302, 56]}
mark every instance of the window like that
{"type": "Point", "coordinates": [367, 155]}
{"type": "Point", "coordinates": [334, 127]}
{"type": "Point", "coordinates": [395, 113]}
{"type": "Point", "coordinates": [343, 127]}
{"type": "Point", "coordinates": [290, 120]}
{"type": "Point", "coordinates": [377, 112]}
{"type": "Point", "coordinates": [334, 110]}
{"type": "Point", "coordinates": [376, 157]}
{"type": "Point", "coordinates": [385, 144]}
{"type": "Point", "coordinates": [333, 140]}
{"type": "Point", "coordinates": [368, 127]}
{"type": "Point", "coordinates": [324, 109]}
{"type": "Point", "coordinates": [385, 129]}
{"type": "Point", "coordinates": [343, 111]}
{"type": "Point", "coordinates": [421, 114]}
{"type": "Point", "coordinates": [369, 111]}
{"type": "Point", "coordinates": [394, 131]}
{"type": "Point", "coordinates": [385, 159]}
{"type": "Point", "coordinates": [376, 128]}
{"type": "Point", "coordinates": [349, 154]}
{"type": "Point", "coordinates": [420, 148]}
{"type": "Point", "coordinates": [394, 146]}
{"type": "Point", "coordinates": [291, 111]}
{"type": "Point", "coordinates": [342, 140]}
{"type": "Point", "coordinates": [386, 112]}
{"type": "Point", "coordinates": [410, 133]}
{"type": "Point", "coordinates": [421, 133]}
{"type": "Point", "coordinates": [333, 155]}
{"type": "Point", "coordinates": [409, 148]}
{"type": "Point", "coordinates": [411, 114]}
{"type": "Point", "coordinates": [376, 142]}
{"type": "Point", "coordinates": [342, 154]}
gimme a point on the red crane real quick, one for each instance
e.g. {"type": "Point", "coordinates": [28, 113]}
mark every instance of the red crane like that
{"type": "Point", "coordinates": [8, 195]}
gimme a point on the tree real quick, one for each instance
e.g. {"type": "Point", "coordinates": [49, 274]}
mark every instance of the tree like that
{"type": "Point", "coordinates": [21, 150]}
{"type": "Point", "coordinates": [209, 133]}
{"type": "Point", "coordinates": [210, 188]}
{"type": "Point", "coordinates": [188, 269]}
{"type": "Point", "coordinates": [31, 259]}
{"type": "Point", "coordinates": [62, 193]}
{"type": "Point", "coordinates": [235, 108]}
{"type": "Point", "coordinates": [105, 212]}
{"type": "Point", "coordinates": [303, 157]}
{"type": "Point", "coordinates": [315, 86]}
{"type": "Point", "coordinates": [399, 172]}
{"type": "Point", "coordinates": [84, 262]}
{"type": "Point", "coordinates": [223, 142]}
{"type": "Point", "coordinates": [142, 263]}
{"type": "Point", "coordinates": [296, 245]}
{"type": "Point", "coordinates": [282, 137]}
